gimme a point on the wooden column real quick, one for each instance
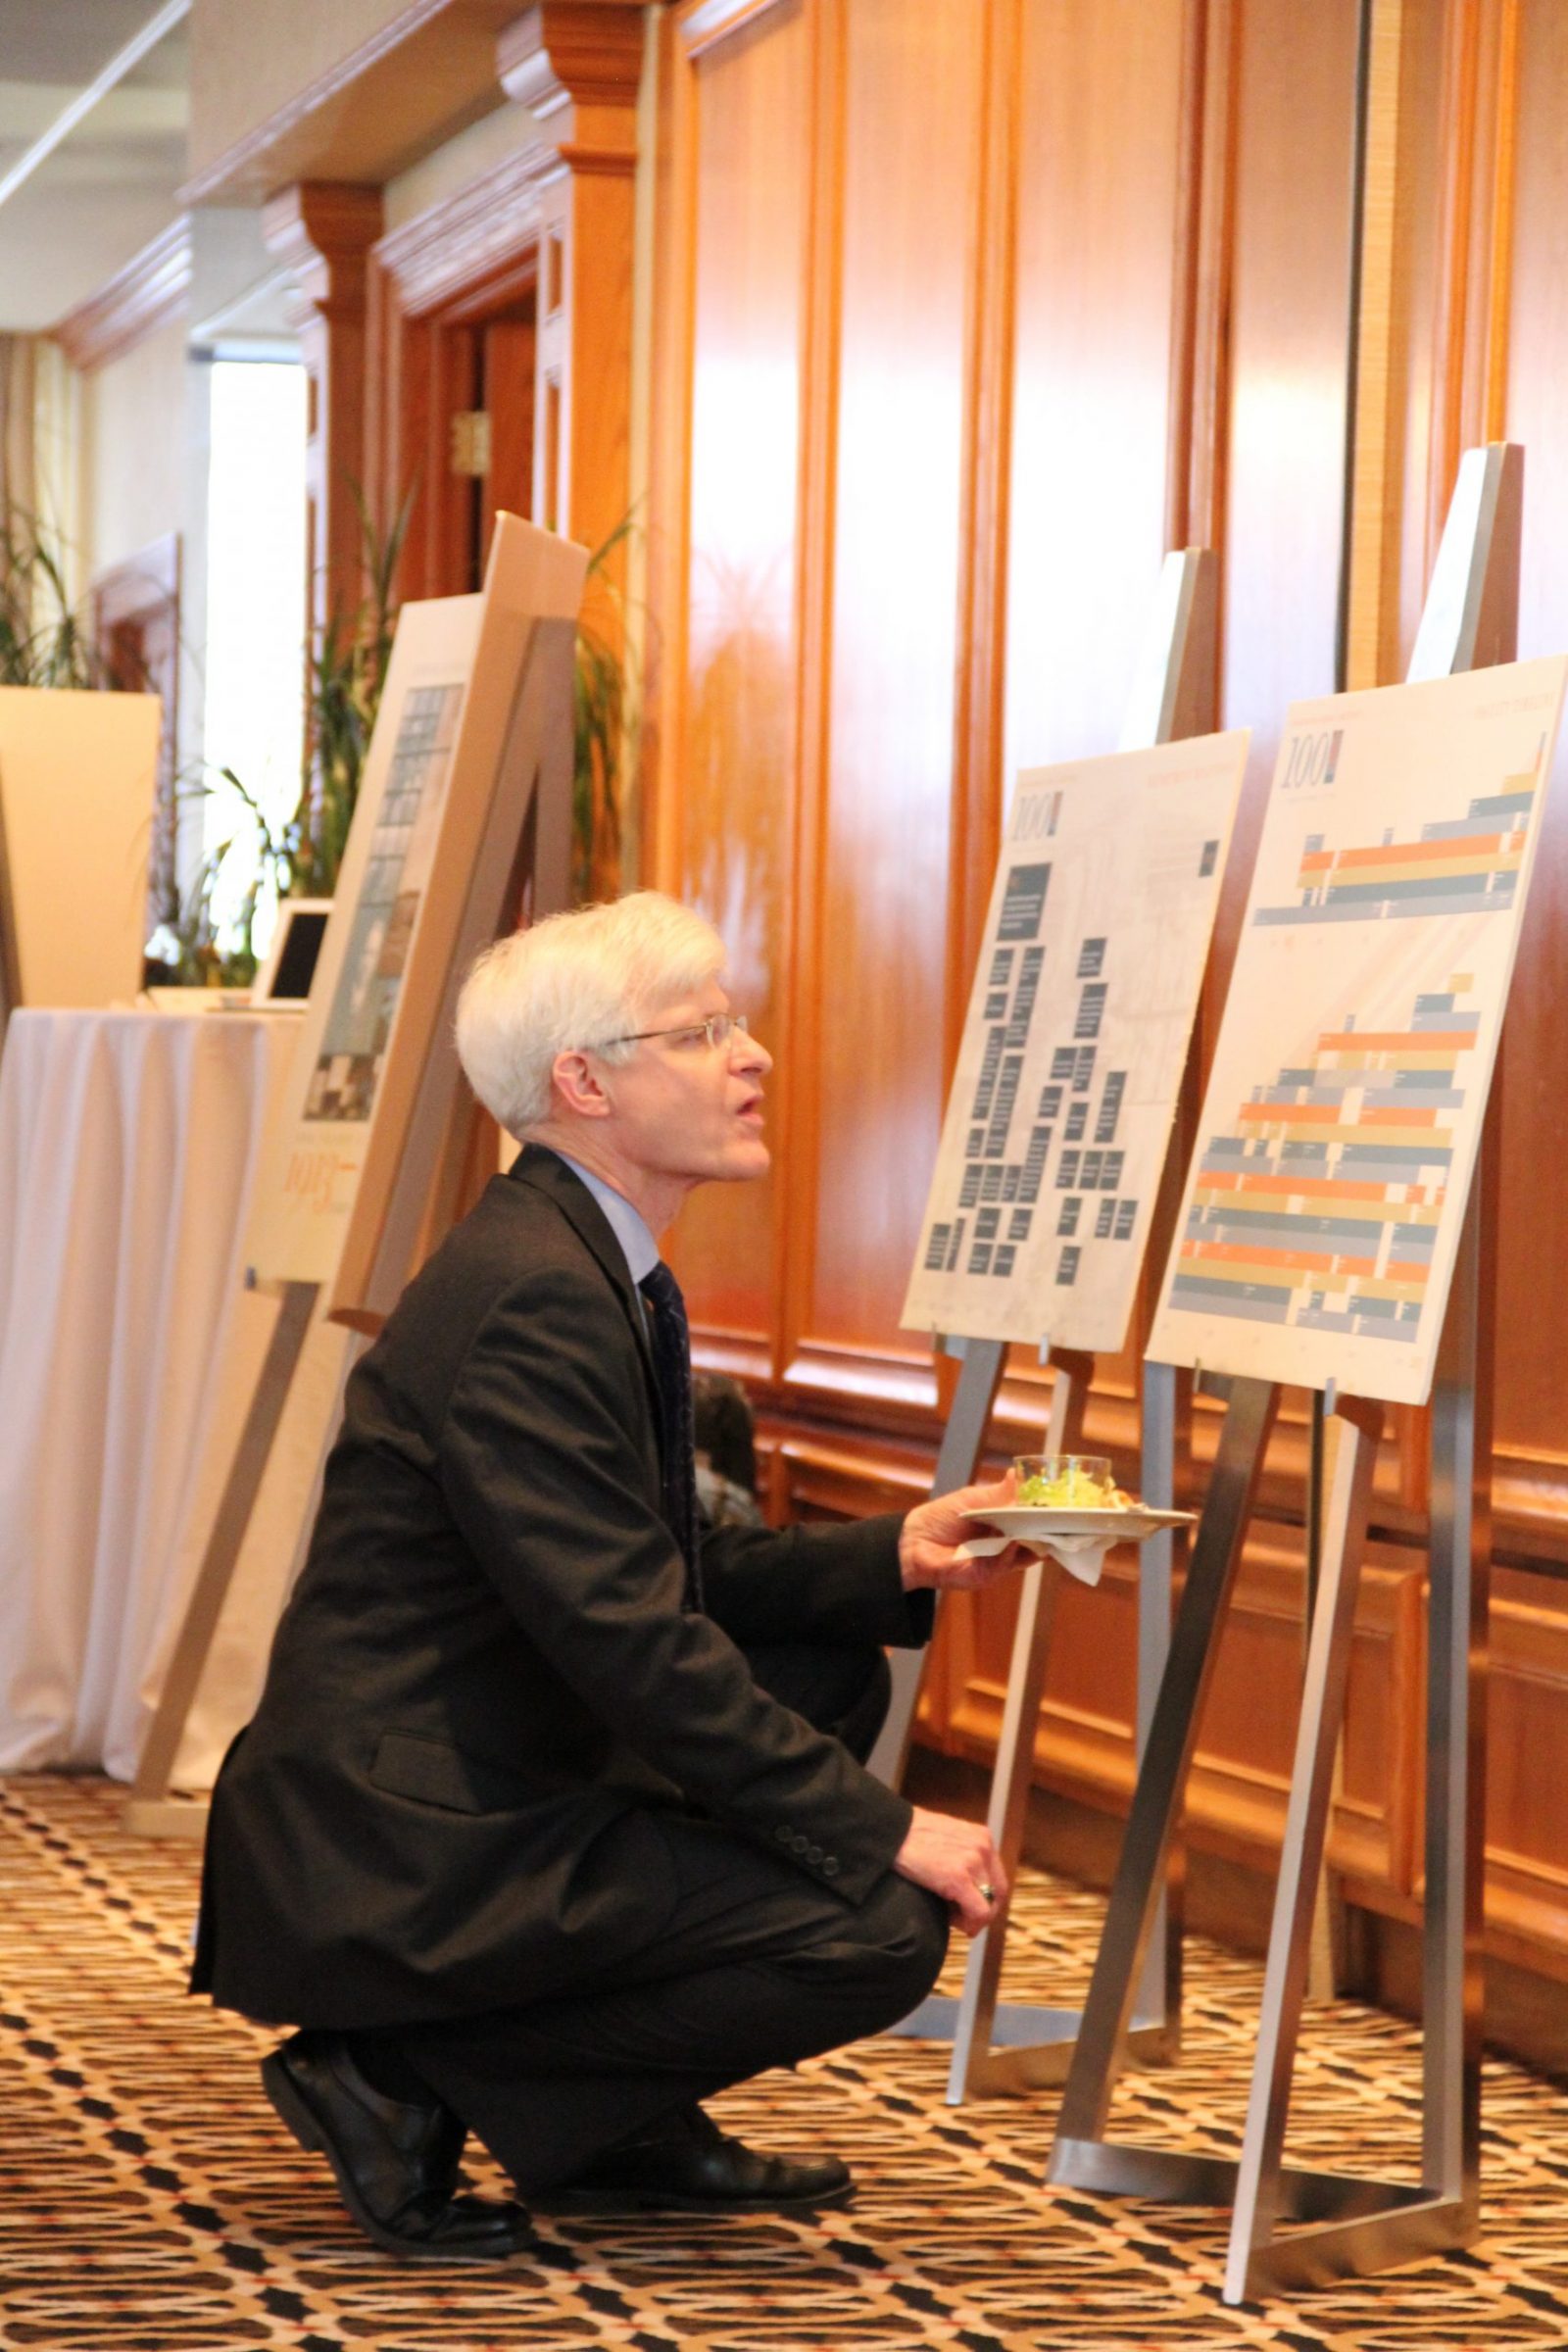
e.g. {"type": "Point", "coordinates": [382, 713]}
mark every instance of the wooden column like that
{"type": "Point", "coordinates": [323, 230]}
{"type": "Point", "coordinates": [578, 63]}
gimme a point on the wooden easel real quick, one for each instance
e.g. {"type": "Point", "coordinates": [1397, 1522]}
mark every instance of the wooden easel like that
{"type": "Point", "coordinates": [1356, 2224]}
{"type": "Point", "coordinates": [1004, 2046]}
{"type": "Point", "coordinates": [406, 1196]}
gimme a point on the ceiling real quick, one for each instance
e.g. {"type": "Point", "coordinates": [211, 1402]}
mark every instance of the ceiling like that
{"type": "Point", "coordinates": [110, 184]}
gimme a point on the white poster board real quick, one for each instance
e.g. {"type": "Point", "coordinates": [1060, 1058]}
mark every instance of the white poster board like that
{"type": "Point", "coordinates": [465, 671]}
{"type": "Point", "coordinates": [1344, 1102]}
{"type": "Point", "coordinates": [78, 781]}
{"type": "Point", "coordinates": [304, 1203]}
{"type": "Point", "coordinates": [1073, 1047]}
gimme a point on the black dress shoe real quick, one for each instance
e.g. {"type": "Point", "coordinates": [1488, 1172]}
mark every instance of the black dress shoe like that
{"type": "Point", "coordinates": [396, 2163]}
{"type": "Point", "coordinates": [690, 2166]}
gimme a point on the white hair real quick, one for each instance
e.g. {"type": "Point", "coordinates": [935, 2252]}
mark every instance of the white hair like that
{"type": "Point", "coordinates": [579, 981]}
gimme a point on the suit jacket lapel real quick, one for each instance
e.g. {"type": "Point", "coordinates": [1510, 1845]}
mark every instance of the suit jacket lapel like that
{"type": "Point", "coordinates": [546, 1172]}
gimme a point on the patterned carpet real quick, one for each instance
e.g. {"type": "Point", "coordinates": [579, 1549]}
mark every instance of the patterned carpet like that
{"type": "Point", "coordinates": [150, 2199]}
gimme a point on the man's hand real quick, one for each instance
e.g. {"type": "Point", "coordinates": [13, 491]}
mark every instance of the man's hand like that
{"type": "Point", "coordinates": [931, 1534]}
{"type": "Point", "coordinates": [957, 1860]}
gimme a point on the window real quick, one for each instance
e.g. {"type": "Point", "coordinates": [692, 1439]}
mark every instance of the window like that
{"type": "Point", "coordinates": [256, 609]}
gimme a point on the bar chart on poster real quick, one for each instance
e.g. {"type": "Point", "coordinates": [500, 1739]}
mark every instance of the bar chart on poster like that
{"type": "Point", "coordinates": [1344, 1109]}
{"type": "Point", "coordinates": [1061, 1107]}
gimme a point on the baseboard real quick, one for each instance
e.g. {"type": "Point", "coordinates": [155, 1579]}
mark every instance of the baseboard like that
{"type": "Point", "coordinates": [1526, 2015]}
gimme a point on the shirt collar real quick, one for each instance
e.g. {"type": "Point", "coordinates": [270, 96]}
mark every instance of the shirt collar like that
{"type": "Point", "coordinates": [627, 1224]}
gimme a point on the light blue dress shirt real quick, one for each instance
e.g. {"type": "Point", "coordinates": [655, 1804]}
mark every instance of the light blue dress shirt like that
{"type": "Point", "coordinates": [628, 1225]}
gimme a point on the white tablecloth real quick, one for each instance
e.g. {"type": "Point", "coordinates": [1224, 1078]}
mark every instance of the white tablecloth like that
{"type": "Point", "coordinates": [129, 1349]}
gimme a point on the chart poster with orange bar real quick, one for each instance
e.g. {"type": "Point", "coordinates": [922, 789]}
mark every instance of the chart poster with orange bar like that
{"type": "Point", "coordinates": [1344, 1111]}
{"type": "Point", "coordinates": [1059, 1115]}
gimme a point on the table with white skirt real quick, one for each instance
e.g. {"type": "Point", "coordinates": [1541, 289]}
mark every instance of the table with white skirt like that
{"type": "Point", "coordinates": [128, 1350]}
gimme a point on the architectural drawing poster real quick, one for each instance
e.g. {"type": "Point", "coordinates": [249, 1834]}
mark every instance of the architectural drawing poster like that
{"type": "Point", "coordinates": [1073, 1049]}
{"type": "Point", "coordinates": [1344, 1102]}
{"type": "Point", "coordinates": [475, 687]}
{"type": "Point", "coordinates": [304, 1202]}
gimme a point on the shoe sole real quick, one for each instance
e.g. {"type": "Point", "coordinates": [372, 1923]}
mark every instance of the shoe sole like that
{"type": "Point", "coordinates": [633, 2200]}
{"type": "Point", "coordinates": [295, 2112]}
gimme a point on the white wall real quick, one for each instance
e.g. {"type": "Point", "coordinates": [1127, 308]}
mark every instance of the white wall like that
{"type": "Point", "coordinates": [143, 475]}
{"type": "Point", "coordinates": [451, 167]}
{"type": "Point", "coordinates": [135, 427]}
{"type": "Point", "coordinates": [144, 449]}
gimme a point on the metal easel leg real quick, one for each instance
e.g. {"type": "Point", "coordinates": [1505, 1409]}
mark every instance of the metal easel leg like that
{"type": "Point", "coordinates": [971, 2020]}
{"type": "Point", "coordinates": [1367, 2223]}
{"type": "Point", "coordinates": [1356, 2224]}
{"type": "Point", "coordinates": [1457, 1638]}
{"type": "Point", "coordinates": [961, 1443]}
{"type": "Point", "coordinates": [1259, 2182]}
{"type": "Point", "coordinates": [1035, 2041]}
{"type": "Point", "coordinates": [1367, 2226]}
{"type": "Point", "coordinates": [1080, 2152]}
{"type": "Point", "coordinates": [1158, 2007]}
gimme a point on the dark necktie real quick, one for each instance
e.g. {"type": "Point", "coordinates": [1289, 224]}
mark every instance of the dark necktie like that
{"type": "Point", "coordinates": [671, 1335]}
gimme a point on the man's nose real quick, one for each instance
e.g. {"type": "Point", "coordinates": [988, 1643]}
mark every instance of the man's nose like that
{"type": "Point", "coordinates": [750, 1052]}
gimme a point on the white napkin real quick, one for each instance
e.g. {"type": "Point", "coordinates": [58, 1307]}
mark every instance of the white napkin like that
{"type": "Point", "coordinates": [1083, 1557]}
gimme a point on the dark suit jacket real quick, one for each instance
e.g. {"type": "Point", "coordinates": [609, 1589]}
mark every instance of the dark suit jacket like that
{"type": "Point", "coordinates": [485, 1684]}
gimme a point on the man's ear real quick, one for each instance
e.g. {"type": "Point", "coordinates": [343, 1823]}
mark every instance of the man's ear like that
{"type": "Point", "coordinates": [576, 1082]}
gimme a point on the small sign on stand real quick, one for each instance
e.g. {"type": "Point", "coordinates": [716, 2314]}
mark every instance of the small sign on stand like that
{"type": "Point", "coordinates": [1052, 1179]}
{"type": "Point", "coordinates": [466, 799]}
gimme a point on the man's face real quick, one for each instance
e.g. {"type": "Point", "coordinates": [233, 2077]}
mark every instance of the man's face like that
{"type": "Point", "coordinates": [686, 1110]}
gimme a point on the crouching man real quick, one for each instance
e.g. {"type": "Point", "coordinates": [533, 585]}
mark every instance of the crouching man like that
{"type": "Point", "coordinates": [553, 1819]}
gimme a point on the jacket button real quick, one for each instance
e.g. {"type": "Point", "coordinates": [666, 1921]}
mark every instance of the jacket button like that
{"type": "Point", "coordinates": [797, 1844]}
{"type": "Point", "coordinates": [782, 1835]}
{"type": "Point", "coordinates": [814, 1855]}
{"type": "Point", "coordinates": [831, 1868]}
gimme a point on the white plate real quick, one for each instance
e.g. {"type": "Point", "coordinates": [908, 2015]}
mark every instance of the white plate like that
{"type": "Point", "coordinates": [1134, 1523]}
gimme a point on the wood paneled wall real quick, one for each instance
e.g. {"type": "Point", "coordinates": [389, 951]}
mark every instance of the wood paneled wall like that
{"type": "Point", "coordinates": [966, 311]}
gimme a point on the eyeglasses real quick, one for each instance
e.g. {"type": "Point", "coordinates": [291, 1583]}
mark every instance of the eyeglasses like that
{"type": "Point", "coordinates": [717, 1030]}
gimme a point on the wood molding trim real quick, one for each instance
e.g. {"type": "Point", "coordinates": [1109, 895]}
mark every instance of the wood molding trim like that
{"type": "Point", "coordinates": [716, 21]}
{"type": "Point", "coordinates": [802, 917]}
{"type": "Point", "coordinates": [670, 484]}
{"type": "Point", "coordinates": [584, 53]}
{"type": "Point", "coordinates": [1213, 100]}
{"type": "Point", "coordinates": [879, 1399]}
{"type": "Point", "coordinates": [418, 79]}
{"type": "Point", "coordinates": [1499, 256]}
{"type": "Point", "coordinates": [1185, 277]}
{"type": "Point", "coordinates": [1458, 169]}
{"type": "Point", "coordinates": [601, 162]}
{"type": "Point", "coordinates": [978, 784]}
{"type": "Point", "coordinates": [1480, 133]}
{"type": "Point", "coordinates": [452, 253]}
{"type": "Point", "coordinates": [1377, 505]}
{"type": "Point", "coordinates": [579, 64]}
{"type": "Point", "coordinates": [237, 167]}
{"type": "Point", "coordinates": [322, 230]}
{"type": "Point", "coordinates": [1471, 315]}
{"type": "Point", "coordinates": [151, 292]}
